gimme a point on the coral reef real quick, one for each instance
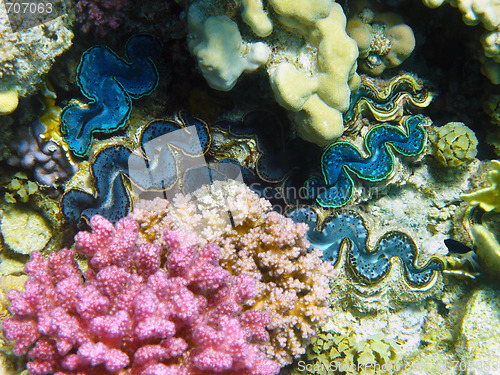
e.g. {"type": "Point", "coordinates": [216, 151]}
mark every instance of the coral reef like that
{"type": "Point", "coordinates": [346, 231]}
{"type": "Point", "coordinates": [384, 41]}
{"type": "Point", "coordinates": [50, 163]}
{"type": "Point", "coordinates": [110, 83]}
{"type": "Point", "coordinates": [26, 56]}
{"type": "Point", "coordinates": [100, 16]}
{"type": "Point", "coordinates": [337, 188]}
{"type": "Point", "coordinates": [338, 354]}
{"type": "Point", "coordinates": [292, 282]}
{"type": "Point", "coordinates": [24, 230]}
{"type": "Point", "coordinates": [31, 220]}
{"type": "Point", "coordinates": [312, 74]}
{"type": "Point", "coordinates": [131, 314]}
{"type": "Point", "coordinates": [453, 144]}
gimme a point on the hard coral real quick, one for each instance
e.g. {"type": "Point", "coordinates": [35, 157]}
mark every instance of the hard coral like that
{"type": "Point", "coordinates": [292, 282]}
{"type": "Point", "coordinates": [384, 41]}
{"type": "Point", "coordinates": [130, 313]}
{"type": "Point", "coordinates": [100, 15]}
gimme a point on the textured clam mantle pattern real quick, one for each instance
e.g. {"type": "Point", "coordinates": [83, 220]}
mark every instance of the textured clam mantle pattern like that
{"type": "Point", "coordinates": [110, 83]}
{"type": "Point", "coordinates": [369, 265]}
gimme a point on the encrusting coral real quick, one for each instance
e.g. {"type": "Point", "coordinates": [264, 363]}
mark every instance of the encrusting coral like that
{"type": "Point", "coordinates": [27, 55]}
{"type": "Point", "coordinates": [292, 282]}
{"type": "Point", "coordinates": [331, 353]}
{"type": "Point", "coordinates": [136, 311]}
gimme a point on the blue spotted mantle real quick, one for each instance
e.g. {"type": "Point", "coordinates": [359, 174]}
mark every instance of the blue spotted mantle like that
{"type": "Point", "coordinates": [347, 228]}
{"type": "Point", "coordinates": [341, 159]}
{"type": "Point", "coordinates": [110, 83]}
{"type": "Point", "coordinates": [111, 167]}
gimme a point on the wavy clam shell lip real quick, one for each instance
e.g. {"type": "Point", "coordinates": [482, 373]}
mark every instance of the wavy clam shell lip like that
{"type": "Point", "coordinates": [381, 143]}
{"type": "Point", "coordinates": [346, 231]}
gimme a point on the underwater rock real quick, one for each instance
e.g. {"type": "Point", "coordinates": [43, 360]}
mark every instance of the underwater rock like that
{"type": "Point", "coordinates": [110, 83]}
{"type": "Point", "coordinates": [478, 344]}
{"type": "Point", "coordinates": [27, 55]}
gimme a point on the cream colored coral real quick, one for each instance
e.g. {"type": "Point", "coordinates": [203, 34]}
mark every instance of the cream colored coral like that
{"type": "Point", "coordinates": [254, 16]}
{"type": "Point", "coordinates": [222, 54]}
{"type": "Point", "coordinates": [487, 248]}
{"type": "Point", "coordinates": [317, 99]}
{"type": "Point", "coordinates": [384, 41]}
{"type": "Point", "coordinates": [292, 282]}
{"type": "Point", "coordinates": [454, 144]}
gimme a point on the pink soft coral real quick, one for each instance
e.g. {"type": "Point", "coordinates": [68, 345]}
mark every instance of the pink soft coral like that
{"type": "Point", "coordinates": [127, 315]}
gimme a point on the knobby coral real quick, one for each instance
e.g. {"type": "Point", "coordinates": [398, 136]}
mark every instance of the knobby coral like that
{"type": "Point", "coordinates": [292, 282]}
{"type": "Point", "coordinates": [100, 15]}
{"type": "Point", "coordinates": [136, 312]}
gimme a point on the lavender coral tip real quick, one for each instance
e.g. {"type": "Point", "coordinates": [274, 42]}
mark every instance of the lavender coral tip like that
{"type": "Point", "coordinates": [134, 315]}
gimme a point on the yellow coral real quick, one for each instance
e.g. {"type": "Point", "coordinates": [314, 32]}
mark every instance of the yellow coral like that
{"type": "Point", "coordinates": [9, 100]}
{"type": "Point", "coordinates": [384, 41]}
{"type": "Point", "coordinates": [489, 198]}
{"type": "Point", "coordinates": [319, 99]}
{"type": "Point", "coordinates": [25, 230]}
{"type": "Point", "coordinates": [331, 353]}
{"type": "Point", "coordinates": [454, 144]}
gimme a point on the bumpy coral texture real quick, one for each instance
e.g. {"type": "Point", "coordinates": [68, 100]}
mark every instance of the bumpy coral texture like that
{"type": "Point", "coordinates": [101, 16]}
{"type": "Point", "coordinates": [132, 314]}
{"type": "Point", "coordinates": [292, 281]}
